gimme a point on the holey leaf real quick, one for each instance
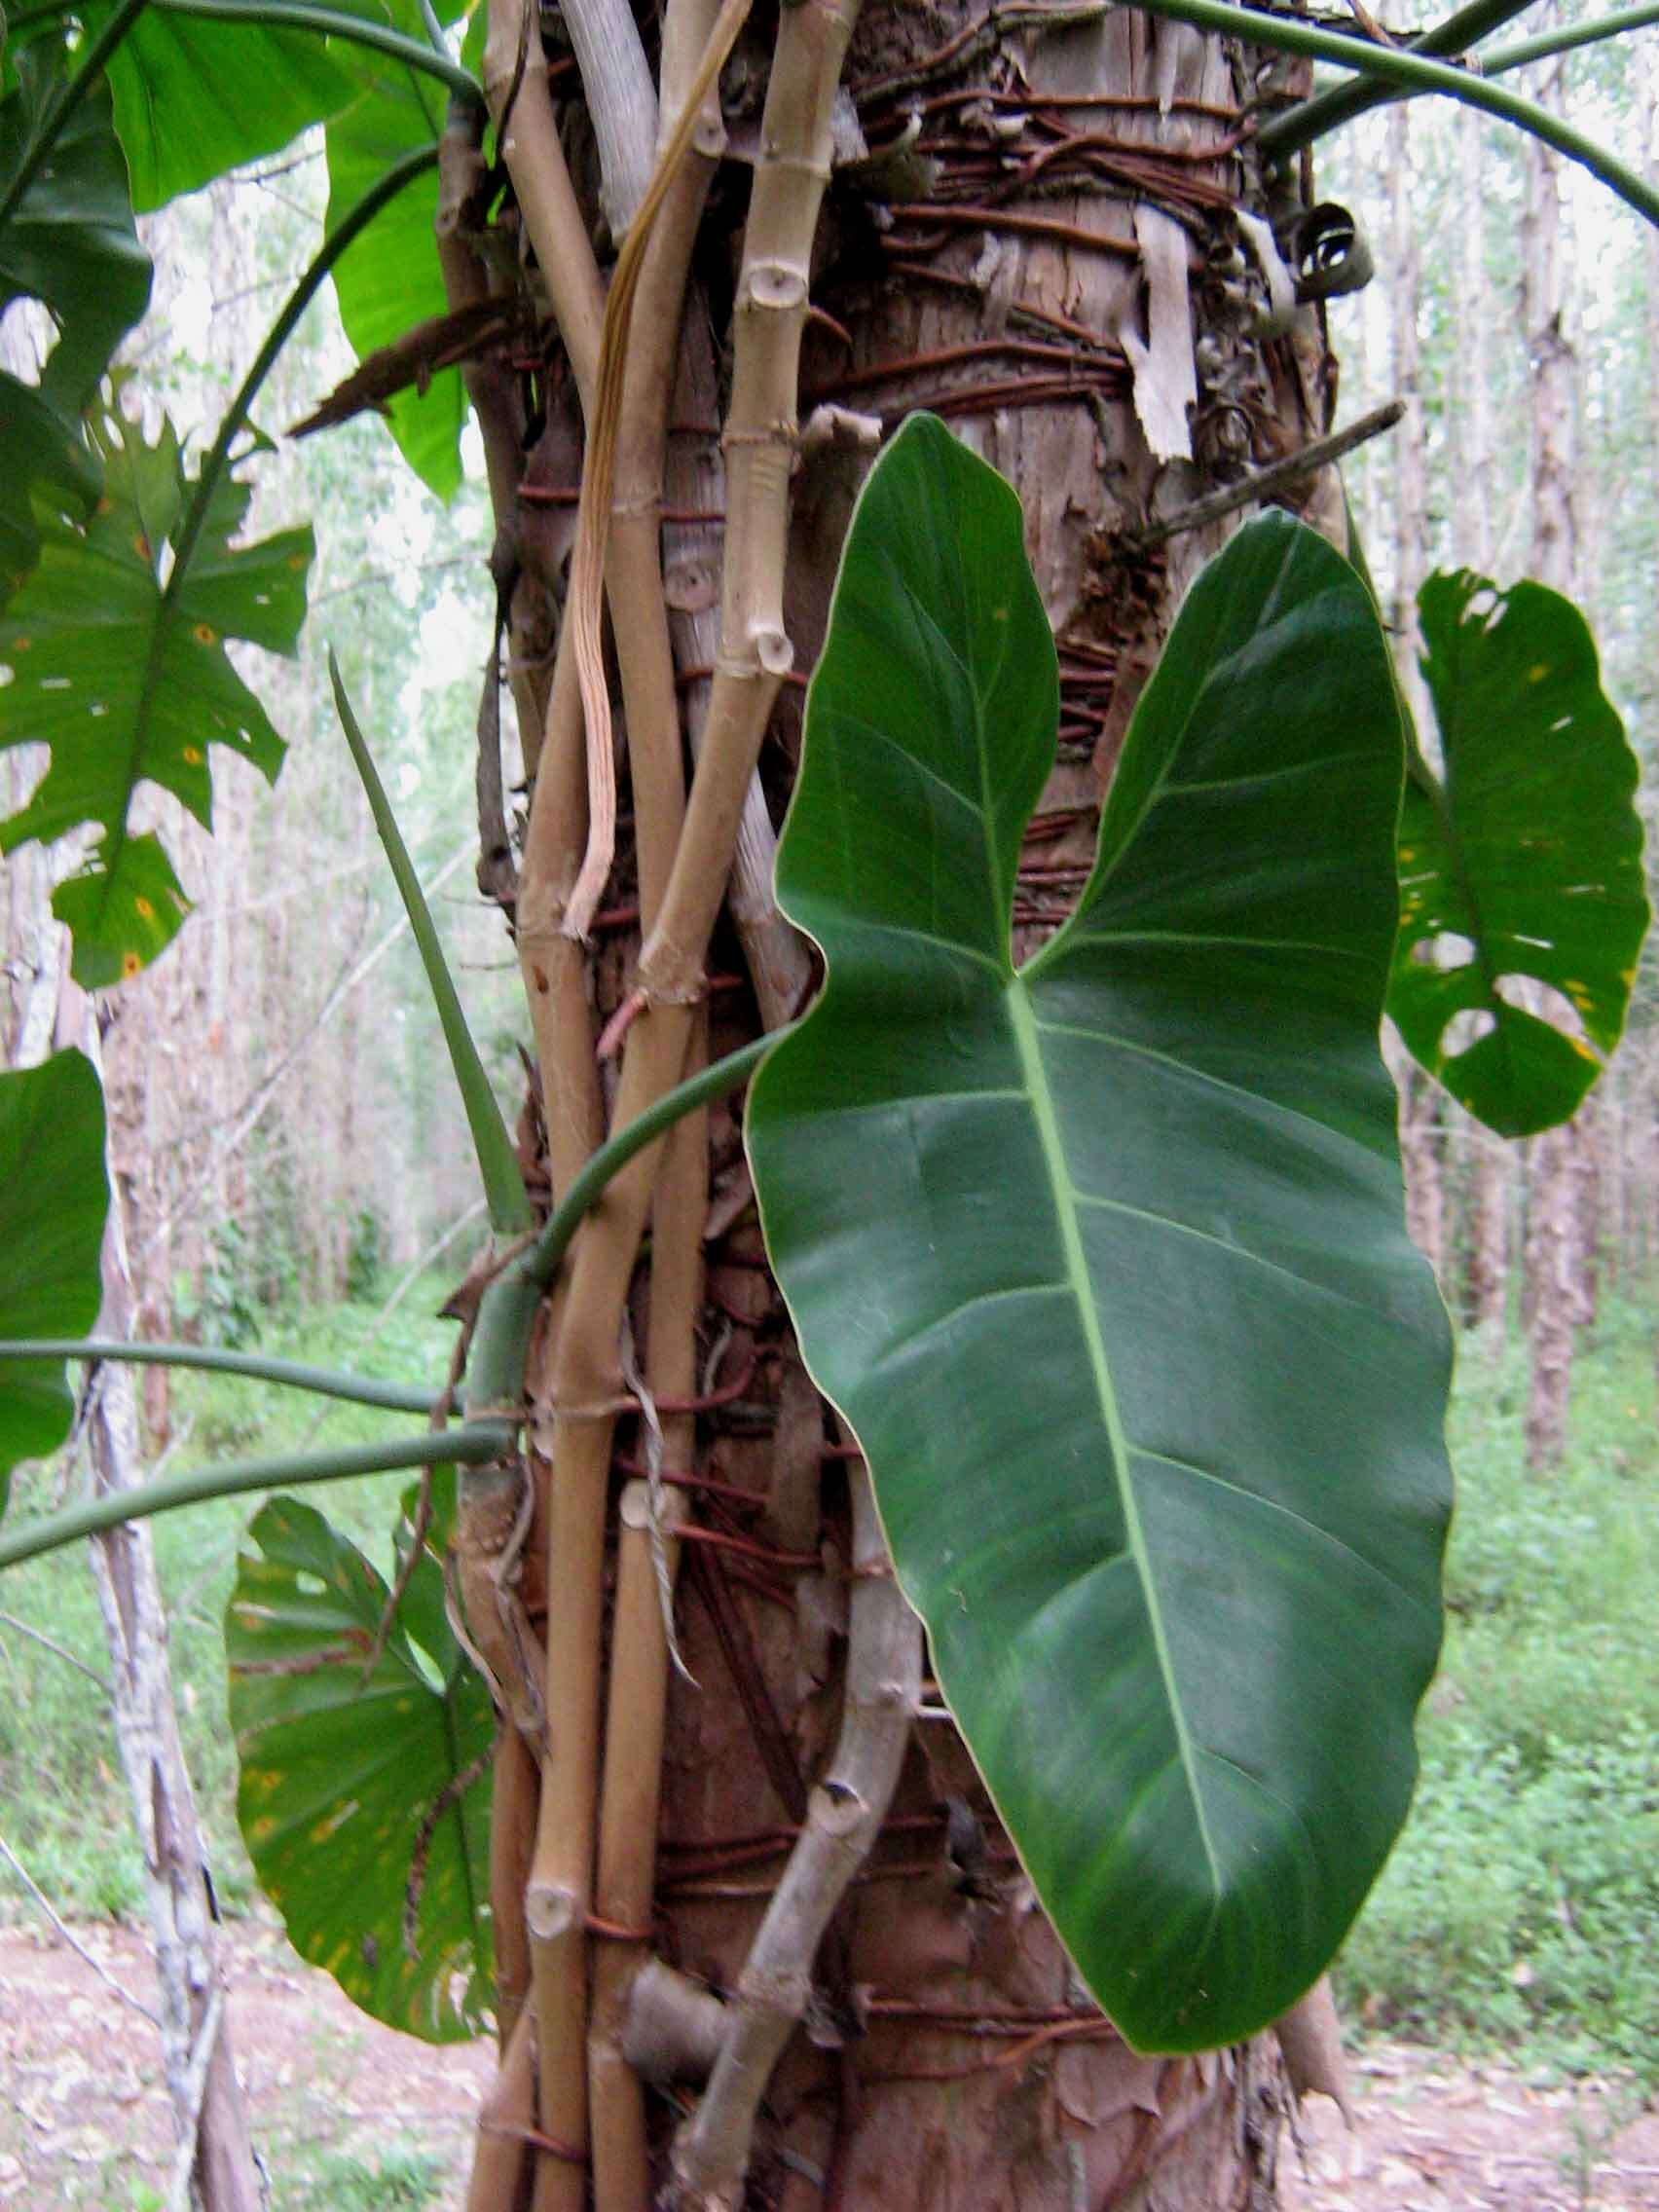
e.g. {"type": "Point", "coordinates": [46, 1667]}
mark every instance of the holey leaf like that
{"type": "Point", "coordinates": [128, 681]}
{"type": "Point", "coordinates": [1104, 1258]}
{"type": "Point", "coordinates": [54, 1196]}
{"type": "Point", "coordinates": [364, 1805]}
{"type": "Point", "coordinates": [1523, 899]}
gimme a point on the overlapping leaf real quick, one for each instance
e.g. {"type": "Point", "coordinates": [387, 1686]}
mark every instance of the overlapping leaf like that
{"type": "Point", "coordinates": [1522, 864]}
{"type": "Point", "coordinates": [54, 1196]}
{"type": "Point", "coordinates": [68, 241]}
{"type": "Point", "coordinates": [38, 446]}
{"type": "Point", "coordinates": [126, 680]}
{"type": "Point", "coordinates": [1104, 1259]}
{"type": "Point", "coordinates": [194, 99]}
{"type": "Point", "coordinates": [389, 280]}
{"type": "Point", "coordinates": [364, 1804]}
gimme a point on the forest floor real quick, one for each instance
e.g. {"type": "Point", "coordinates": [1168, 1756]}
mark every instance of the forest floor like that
{"type": "Point", "coordinates": [352, 2115]}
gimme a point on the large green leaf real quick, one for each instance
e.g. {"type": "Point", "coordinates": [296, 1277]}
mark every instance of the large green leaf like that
{"type": "Point", "coordinates": [127, 681]}
{"type": "Point", "coordinates": [54, 1197]}
{"type": "Point", "coordinates": [1523, 865]}
{"type": "Point", "coordinates": [38, 444]}
{"type": "Point", "coordinates": [389, 280]}
{"type": "Point", "coordinates": [1104, 1259]}
{"type": "Point", "coordinates": [70, 241]}
{"type": "Point", "coordinates": [362, 1802]}
{"type": "Point", "coordinates": [194, 99]}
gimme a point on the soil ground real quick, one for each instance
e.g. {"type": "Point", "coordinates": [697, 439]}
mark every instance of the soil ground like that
{"type": "Point", "coordinates": [83, 2118]}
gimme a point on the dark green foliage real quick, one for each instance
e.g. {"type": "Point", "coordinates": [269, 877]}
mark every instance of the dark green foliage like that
{"type": "Point", "coordinates": [1068, 1246]}
{"type": "Point", "coordinates": [365, 1255]}
{"type": "Point", "coordinates": [53, 1200]}
{"type": "Point", "coordinates": [1522, 864]}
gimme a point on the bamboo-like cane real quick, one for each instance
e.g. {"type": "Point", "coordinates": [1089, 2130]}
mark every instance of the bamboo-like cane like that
{"type": "Point", "coordinates": [771, 311]}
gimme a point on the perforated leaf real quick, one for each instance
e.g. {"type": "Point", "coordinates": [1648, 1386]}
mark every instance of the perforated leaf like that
{"type": "Point", "coordinates": [127, 681]}
{"type": "Point", "coordinates": [54, 1196]}
{"type": "Point", "coordinates": [1104, 1258]}
{"type": "Point", "coordinates": [364, 1805]}
{"type": "Point", "coordinates": [1520, 865]}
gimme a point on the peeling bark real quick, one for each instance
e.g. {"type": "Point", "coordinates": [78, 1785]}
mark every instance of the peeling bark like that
{"type": "Point", "coordinates": [1031, 231]}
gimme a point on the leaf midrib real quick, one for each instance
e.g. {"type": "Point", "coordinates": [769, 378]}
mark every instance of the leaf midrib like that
{"type": "Point", "coordinates": [1023, 1022]}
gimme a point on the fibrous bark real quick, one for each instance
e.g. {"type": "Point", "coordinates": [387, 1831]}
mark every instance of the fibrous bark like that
{"type": "Point", "coordinates": [1030, 228]}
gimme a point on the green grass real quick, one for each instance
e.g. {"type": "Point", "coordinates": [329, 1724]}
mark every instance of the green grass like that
{"type": "Point", "coordinates": [400, 2179]}
{"type": "Point", "coordinates": [305, 2177]}
{"type": "Point", "coordinates": [1517, 1912]}
{"type": "Point", "coordinates": [64, 1805]}
{"type": "Point", "coordinates": [1519, 1908]}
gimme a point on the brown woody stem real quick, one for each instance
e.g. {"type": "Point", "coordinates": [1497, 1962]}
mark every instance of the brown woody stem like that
{"type": "Point", "coordinates": [845, 1813]}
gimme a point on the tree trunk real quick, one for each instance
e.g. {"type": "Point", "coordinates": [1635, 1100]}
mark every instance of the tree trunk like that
{"type": "Point", "coordinates": [1554, 1244]}
{"type": "Point", "coordinates": [215, 2152]}
{"type": "Point", "coordinates": [1039, 286]}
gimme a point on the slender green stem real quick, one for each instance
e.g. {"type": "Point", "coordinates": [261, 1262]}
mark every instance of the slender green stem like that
{"type": "Point", "coordinates": [1394, 65]}
{"type": "Point", "coordinates": [288, 1373]}
{"type": "Point", "coordinates": [492, 1149]}
{"type": "Point", "coordinates": [433, 29]}
{"type": "Point", "coordinates": [1567, 37]}
{"type": "Point", "coordinates": [299, 15]}
{"type": "Point", "coordinates": [467, 1446]}
{"type": "Point", "coordinates": [350, 226]}
{"type": "Point", "coordinates": [500, 1337]}
{"type": "Point", "coordinates": [1337, 104]}
{"type": "Point", "coordinates": [87, 74]}
{"type": "Point", "coordinates": [716, 1081]}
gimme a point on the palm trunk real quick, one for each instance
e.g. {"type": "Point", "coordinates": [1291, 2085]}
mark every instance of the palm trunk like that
{"type": "Point", "coordinates": [1028, 270]}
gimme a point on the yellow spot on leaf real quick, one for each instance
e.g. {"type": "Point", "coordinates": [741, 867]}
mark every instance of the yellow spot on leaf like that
{"type": "Point", "coordinates": [297, 561]}
{"type": "Point", "coordinates": [105, 506]}
{"type": "Point", "coordinates": [1537, 672]}
{"type": "Point", "coordinates": [192, 755]}
{"type": "Point", "coordinates": [129, 964]}
{"type": "Point", "coordinates": [21, 644]}
{"type": "Point", "coordinates": [145, 911]}
{"type": "Point", "coordinates": [204, 634]}
{"type": "Point", "coordinates": [141, 545]}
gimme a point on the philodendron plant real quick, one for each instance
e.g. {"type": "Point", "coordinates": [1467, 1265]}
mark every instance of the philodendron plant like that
{"type": "Point", "coordinates": [1102, 1257]}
